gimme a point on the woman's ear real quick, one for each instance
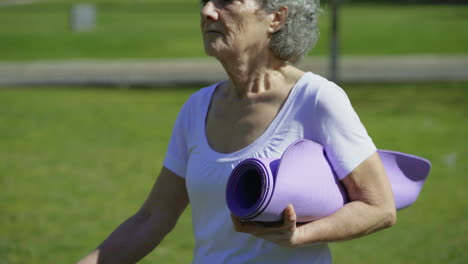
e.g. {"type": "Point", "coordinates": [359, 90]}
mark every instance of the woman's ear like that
{"type": "Point", "coordinates": [278, 20]}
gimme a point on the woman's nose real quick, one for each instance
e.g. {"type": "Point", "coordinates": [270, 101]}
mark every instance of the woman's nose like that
{"type": "Point", "coordinates": [209, 11]}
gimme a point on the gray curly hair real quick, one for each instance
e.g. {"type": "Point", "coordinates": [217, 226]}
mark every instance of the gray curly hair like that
{"type": "Point", "coordinates": [300, 32]}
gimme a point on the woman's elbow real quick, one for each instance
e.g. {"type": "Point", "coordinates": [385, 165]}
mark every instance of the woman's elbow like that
{"type": "Point", "coordinates": [389, 216]}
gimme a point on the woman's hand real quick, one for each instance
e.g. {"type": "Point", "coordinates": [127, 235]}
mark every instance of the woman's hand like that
{"type": "Point", "coordinates": [286, 234]}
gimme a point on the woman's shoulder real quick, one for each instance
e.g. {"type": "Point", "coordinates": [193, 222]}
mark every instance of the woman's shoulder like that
{"type": "Point", "coordinates": [319, 88]}
{"type": "Point", "coordinates": [319, 83]}
{"type": "Point", "coordinates": [200, 98]}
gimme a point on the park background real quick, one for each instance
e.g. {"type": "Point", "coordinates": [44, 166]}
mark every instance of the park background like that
{"type": "Point", "coordinates": [77, 161]}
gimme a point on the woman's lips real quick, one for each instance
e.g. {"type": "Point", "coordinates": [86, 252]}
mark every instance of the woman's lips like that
{"type": "Point", "coordinates": [211, 30]}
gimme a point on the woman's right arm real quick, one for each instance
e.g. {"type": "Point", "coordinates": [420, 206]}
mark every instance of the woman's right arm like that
{"type": "Point", "coordinates": [141, 233]}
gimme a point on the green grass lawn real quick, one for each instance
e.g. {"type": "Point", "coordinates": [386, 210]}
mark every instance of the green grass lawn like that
{"type": "Point", "coordinates": [167, 29]}
{"type": "Point", "coordinates": [74, 163]}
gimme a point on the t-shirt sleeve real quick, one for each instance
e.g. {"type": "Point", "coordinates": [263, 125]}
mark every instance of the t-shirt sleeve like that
{"type": "Point", "coordinates": [340, 130]}
{"type": "Point", "coordinates": [177, 154]}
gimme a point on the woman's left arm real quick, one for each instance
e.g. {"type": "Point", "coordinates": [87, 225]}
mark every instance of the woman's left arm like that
{"type": "Point", "coordinates": [371, 208]}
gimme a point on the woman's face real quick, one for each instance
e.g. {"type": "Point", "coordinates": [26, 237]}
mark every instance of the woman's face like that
{"type": "Point", "coordinates": [233, 27]}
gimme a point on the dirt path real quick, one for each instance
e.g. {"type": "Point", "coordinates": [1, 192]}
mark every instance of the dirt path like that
{"type": "Point", "coordinates": [207, 71]}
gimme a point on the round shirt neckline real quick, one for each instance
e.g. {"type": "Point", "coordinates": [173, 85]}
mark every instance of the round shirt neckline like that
{"type": "Point", "coordinates": [261, 140]}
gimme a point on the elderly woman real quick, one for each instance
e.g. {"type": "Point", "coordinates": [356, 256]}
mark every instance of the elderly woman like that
{"type": "Point", "coordinates": [264, 106]}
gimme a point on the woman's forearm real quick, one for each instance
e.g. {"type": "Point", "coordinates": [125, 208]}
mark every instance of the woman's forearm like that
{"type": "Point", "coordinates": [132, 240]}
{"type": "Point", "coordinates": [354, 220]}
{"type": "Point", "coordinates": [371, 208]}
{"type": "Point", "coordinates": [142, 232]}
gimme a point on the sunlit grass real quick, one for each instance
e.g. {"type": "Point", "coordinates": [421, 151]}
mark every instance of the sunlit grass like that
{"type": "Point", "coordinates": [168, 29]}
{"type": "Point", "coordinates": [76, 162]}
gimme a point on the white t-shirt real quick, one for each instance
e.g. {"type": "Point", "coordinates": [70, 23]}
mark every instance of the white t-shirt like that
{"type": "Point", "coordinates": [315, 109]}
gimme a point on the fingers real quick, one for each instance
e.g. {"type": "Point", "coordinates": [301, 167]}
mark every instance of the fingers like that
{"type": "Point", "coordinates": [284, 234]}
{"type": "Point", "coordinates": [236, 222]}
{"type": "Point", "coordinates": [244, 226]}
{"type": "Point", "coordinates": [289, 218]}
{"type": "Point", "coordinates": [289, 223]}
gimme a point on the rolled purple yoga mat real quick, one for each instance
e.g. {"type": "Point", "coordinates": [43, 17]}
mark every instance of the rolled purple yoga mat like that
{"type": "Point", "coordinates": [260, 189]}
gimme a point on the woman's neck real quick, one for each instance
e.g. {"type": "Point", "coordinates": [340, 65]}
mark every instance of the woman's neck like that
{"type": "Point", "coordinates": [251, 76]}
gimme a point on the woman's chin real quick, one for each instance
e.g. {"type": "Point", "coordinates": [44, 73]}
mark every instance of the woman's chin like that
{"type": "Point", "coordinates": [213, 51]}
{"type": "Point", "coordinates": [210, 52]}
